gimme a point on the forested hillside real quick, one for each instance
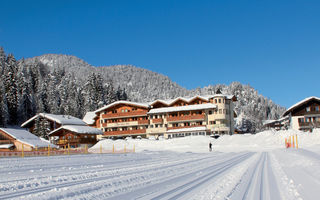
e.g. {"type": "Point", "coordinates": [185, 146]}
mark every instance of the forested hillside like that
{"type": "Point", "coordinates": [64, 84]}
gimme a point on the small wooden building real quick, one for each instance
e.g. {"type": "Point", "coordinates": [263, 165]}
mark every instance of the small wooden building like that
{"type": "Point", "coordinates": [14, 139]}
{"type": "Point", "coordinates": [75, 136]}
{"type": "Point", "coordinates": [55, 121]}
{"type": "Point", "coordinates": [304, 115]}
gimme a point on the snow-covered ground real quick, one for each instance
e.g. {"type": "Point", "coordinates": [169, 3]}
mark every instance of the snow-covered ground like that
{"type": "Point", "coordinates": [240, 167]}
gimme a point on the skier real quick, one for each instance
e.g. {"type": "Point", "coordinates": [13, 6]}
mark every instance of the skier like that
{"type": "Point", "coordinates": [210, 146]}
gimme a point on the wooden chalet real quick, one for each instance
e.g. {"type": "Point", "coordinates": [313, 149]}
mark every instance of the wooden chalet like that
{"type": "Point", "coordinates": [14, 139]}
{"type": "Point", "coordinates": [305, 115]}
{"type": "Point", "coordinates": [74, 136]}
{"type": "Point", "coordinates": [55, 121]}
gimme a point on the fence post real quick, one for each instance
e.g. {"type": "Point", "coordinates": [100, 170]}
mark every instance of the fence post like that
{"type": "Point", "coordinates": [134, 148]}
{"type": "Point", "coordinates": [124, 147]}
{"type": "Point", "coordinates": [86, 149]}
{"type": "Point", "coordinates": [22, 153]}
{"type": "Point", "coordinates": [48, 149]}
{"type": "Point", "coordinates": [100, 148]}
{"type": "Point", "coordinates": [293, 142]}
{"type": "Point", "coordinates": [297, 141]}
{"type": "Point", "coordinates": [68, 148]}
{"type": "Point", "coordinates": [112, 148]}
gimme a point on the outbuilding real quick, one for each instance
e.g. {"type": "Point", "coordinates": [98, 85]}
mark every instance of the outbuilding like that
{"type": "Point", "coordinates": [18, 139]}
{"type": "Point", "coordinates": [75, 136]}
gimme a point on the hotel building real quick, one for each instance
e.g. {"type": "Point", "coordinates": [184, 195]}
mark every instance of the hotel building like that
{"type": "Point", "coordinates": [198, 115]}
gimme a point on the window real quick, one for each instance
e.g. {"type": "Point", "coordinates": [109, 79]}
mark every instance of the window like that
{"type": "Point", "coordinates": [210, 112]}
{"type": "Point", "coordinates": [307, 120]}
{"type": "Point", "coordinates": [215, 100]}
{"type": "Point", "coordinates": [85, 136]}
{"type": "Point", "coordinates": [317, 108]}
{"type": "Point", "coordinates": [219, 100]}
{"type": "Point", "coordinates": [220, 111]}
{"type": "Point", "coordinates": [92, 136]}
{"type": "Point", "coordinates": [308, 109]}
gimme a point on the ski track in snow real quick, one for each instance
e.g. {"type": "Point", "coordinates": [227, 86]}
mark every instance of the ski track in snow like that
{"type": "Point", "coordinates": [278, 174]}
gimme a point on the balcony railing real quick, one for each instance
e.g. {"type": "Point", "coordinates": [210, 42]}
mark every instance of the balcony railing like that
{"type": "Point", "coordinates": [219, 125]}
{"type": "Point", "coordinates": [124, 114]}
{"type": "Point", "coordinates": [157, 121]}
{"type": "Point", "coordinates": [6, 142]}
{"type": "Point", "coordinates": [143, 121]}
{"type": "Point", "coordinates": [180, 127]}
{"type": "Point", "coordinates": [77, 140]}
{"type": "Point", "coordinates": [186, 118]}
{"type": "Point", "coordinates": [126, 132]}
{"type": "Point", "coordinates": [310, 124]}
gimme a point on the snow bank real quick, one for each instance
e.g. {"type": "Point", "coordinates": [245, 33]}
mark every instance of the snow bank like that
{"type": "Point", "coordinates": [263, 141]}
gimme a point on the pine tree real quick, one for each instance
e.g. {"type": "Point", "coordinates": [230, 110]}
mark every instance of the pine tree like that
{"type": "Point", "coordinates": [11, 88]}
{"type": "Point", "coordinates": [4, 113]}
{"type": "Point", "coordinates": [27, 107]}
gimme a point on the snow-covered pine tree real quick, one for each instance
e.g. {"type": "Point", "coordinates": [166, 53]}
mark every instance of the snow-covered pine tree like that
{"type": "Point", "coordinates": [37, 127]}
{"type": "Point", "coordinates": [11, 88]}
{"type": "Point", "coordinates": [4, 113]}
{"type": "Point", "coordinates": [26, 107]}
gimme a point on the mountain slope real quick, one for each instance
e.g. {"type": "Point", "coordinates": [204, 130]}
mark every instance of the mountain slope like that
{"type": "Point", "coordinates": [143, 85]}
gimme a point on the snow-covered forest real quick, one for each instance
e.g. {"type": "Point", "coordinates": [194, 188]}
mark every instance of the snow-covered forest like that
{"type": "Point", "coordinates": [62, 84]}
{"type": "Point", "coordinates": [30, 88]}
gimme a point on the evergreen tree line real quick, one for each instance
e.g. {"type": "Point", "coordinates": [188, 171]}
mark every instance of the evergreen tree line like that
{"type": "Point", "coordinates": [27, 89]}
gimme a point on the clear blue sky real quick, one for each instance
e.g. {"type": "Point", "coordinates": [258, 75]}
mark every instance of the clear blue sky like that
{"type": "Point", "coordinates": [272, 45]}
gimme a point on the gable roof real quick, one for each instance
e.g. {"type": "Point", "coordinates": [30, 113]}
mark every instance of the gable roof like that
{"type": "Point", "coordinates": [89, 118]}
{"type": "Point", "coordinates": [79, 130]}
{"type": "Point", "coordinates": [144, 105]}
{"type": "Point", "coordinates": [61, 119]}
{"type": "Point", "coordinates": [300, 103]}
{"type": "Point", "coordinates": [169, 102]}
{"type": "Point", "coordinates": [182, 108]}
{"type": "Point", "coordinates": [26, 137]}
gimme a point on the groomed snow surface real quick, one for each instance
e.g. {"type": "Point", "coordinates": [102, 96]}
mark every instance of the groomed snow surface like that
{"type": "Point", "coordinates": [240, 167]}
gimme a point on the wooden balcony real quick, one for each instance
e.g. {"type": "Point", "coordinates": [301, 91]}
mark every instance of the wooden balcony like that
{"type": "Point", "coordinates": [6, 142]}
{"type": "Point", "coordinates": [76, 141]}
{"type": "Point", "coordinates": [310, 124]}
{"type": "Point", "coordinates": [180, 127]}
{"type": "Point", "coordinates": [143, 121]}
{"type": "Point", "coordinates": [157, 121]}
{"type": "Point", "coordinates": [126, 132]}
{"type": "Point", "coordinates": [124, 114]}
{"type": "Point", "coordinates": [186, 118]}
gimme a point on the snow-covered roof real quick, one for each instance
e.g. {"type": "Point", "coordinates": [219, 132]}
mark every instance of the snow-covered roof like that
{"type": "Point", "coordinates": [265, 122]}
{"type": "Point", "coordinates": [61, 119]}
{"type": "Point", "coordinates": [79, 129]}
{"type": "Point", "coordinates": [300, 103]}
{"type": "Point", "coordinates": [270, 121]}
{"type": "Point", "coordinates": [144, 105]}
{"type": "Point", "coordinates": [193, 129]}
{"type": "Point", "coordinates": [5, 146]}
{"type": "Point", "coordinates": [183, 108]}
{"type": "Point", "coordinates": [169, 102]}
{"type": "Point", "coordinates": [25, 137]}
{"type": "Point", "coordinates": [89, 118]}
